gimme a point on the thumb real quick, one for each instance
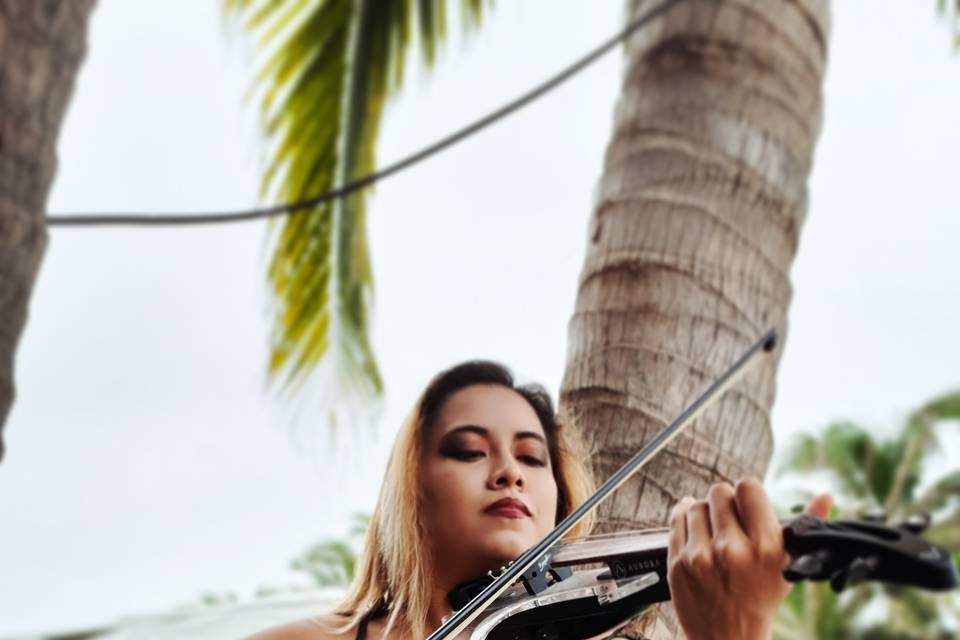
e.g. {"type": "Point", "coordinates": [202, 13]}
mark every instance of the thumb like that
{"type": "Point", "coordinates": [820, 506]}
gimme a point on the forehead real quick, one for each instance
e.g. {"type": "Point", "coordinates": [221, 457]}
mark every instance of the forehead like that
{"type": "Point", "coordinates": [493, 407]}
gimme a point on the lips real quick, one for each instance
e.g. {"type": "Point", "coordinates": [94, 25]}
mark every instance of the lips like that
{"type": "Point", "coordinates": [508, 508]}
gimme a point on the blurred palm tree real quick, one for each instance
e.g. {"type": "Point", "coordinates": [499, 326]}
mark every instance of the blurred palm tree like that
{"type": "Point", "coordinates": [875, 476]}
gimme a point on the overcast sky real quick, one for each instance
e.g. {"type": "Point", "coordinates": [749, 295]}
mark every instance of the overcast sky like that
{"type": "Point", "coordinates": [145, 463]}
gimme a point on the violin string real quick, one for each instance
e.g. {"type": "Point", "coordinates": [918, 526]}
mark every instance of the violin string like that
{"type": "Point", "coordinates": [290, 208]}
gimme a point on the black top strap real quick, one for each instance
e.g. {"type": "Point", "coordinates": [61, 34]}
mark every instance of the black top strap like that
{"type": "Point", "coordinates": [362, 628]}
{"type": "Point", "coordinates": [372, 614]}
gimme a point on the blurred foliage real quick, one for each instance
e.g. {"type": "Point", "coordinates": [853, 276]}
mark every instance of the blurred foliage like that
{"type": "Point", "coordinates": [874, 475]}
{"type": "Point", "coordinates": [218, 599]}
{"type": "Point", "coordinates": [951, 10]}
{"type": "Point", "coordinates": [77, 635]}
{"type": "Point", "coordinates": [882, 475]}
{"type": "Point", "coordinates": [328, 68]}
{"type": "Point", "coordinates": [331, 563]}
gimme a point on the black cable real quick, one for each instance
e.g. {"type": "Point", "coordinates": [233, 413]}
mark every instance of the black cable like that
{"type": "Point", "coordinates": [99, 219]}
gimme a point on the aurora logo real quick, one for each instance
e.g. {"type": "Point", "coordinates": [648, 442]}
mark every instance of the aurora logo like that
{"type": "Point", "coordinates": [626, 568]}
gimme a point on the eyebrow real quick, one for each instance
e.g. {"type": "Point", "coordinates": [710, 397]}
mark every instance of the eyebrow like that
{"type": "Point", "coordinates": [483, 431]}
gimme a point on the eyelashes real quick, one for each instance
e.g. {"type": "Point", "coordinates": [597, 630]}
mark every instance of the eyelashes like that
{"type": "Point", "coordinates": [465, 455]}
{"type": "Point", "coordinates": [469, 455]}
{"type": "Point", "coordinates": [533, 461]}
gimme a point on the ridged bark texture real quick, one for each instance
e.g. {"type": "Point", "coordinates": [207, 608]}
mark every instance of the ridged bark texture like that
{"type": "Point", "coordinates": [42, 43]}
{"type": "Point", "coordinates": [696, 223]}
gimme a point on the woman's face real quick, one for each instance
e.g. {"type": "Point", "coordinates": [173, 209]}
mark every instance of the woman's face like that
{"type": "Point", "coordinates": [488, 486]}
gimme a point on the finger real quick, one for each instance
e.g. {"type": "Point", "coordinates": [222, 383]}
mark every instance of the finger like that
{"type": "Point", "coordinates": [724, 520]}
{"type": "Point", "coordinates": [756, 513]}
{"type": "Point", "coordinates": [820, 506]}
{"type": "Point", "coordinates": [699, 534]}
{"type": "Point", "coordinates": [678, 528]}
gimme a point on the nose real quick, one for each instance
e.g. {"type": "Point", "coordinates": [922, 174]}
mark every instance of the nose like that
{"type": "Point", "coordinates": [506, 474]}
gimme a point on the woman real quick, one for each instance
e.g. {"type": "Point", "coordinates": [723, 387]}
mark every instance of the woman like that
{"type": "Point", "coordinates": [481, 470]}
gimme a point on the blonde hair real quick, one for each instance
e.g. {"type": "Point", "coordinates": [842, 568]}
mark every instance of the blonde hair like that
{"type": "Point", "coordinates": [393, 572]}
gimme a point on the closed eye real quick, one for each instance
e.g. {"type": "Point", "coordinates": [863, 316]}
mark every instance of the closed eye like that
{"type": "Point", "coordinates": [533, 461]}
{"type": "Point", "coordinates": [467, 455]}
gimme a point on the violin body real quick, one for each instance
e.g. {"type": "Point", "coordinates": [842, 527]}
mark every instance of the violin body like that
{"type": "Point", "coordinates": [587, 588]}
{"type": "Point", "coordinates": [585, 605]}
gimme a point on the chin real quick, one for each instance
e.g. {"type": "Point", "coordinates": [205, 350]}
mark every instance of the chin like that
{"type": "Point", "coordinates": [505, 544]}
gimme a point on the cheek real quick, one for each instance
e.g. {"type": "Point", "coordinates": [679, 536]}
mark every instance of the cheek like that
{"type": "Point", "coordinates": [447, 491]}
{"type": "Point", "coordinates": [547, 502]}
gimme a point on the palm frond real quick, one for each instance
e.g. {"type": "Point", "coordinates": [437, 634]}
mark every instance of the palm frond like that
{"type": "Point", "coordinates": [950, 9]}
{"type": "Point", "coordinates": [329, 564]}
{"type": "Point", "coordinates": [812, 611]}
{"type": "Point", "coordinates": [329, 68]}
{"type": "Point", "coordinates": [332, 563]}
{"type": "Point", "coordinates": [946, 533]}
{"type": "Point", "coordinates": [360, 524]}
{"type": "Point", "coordinates": [920, 424]}
{"type": "Point", "coordinates": [893, 471]}
{"type": "Point", "coordinates": [938, 495]}
{"type": "Point", "coordinates": [941, 408]}
{"type": "Point", "coordinates": [843, 448]}
{"type": "Point", "coordinates": [913, 614]}
{"type": "Point", "coordinates": [916, 441]}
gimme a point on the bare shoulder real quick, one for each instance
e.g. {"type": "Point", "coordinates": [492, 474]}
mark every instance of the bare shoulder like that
{"type": "Point", "coordinates": [317, 628]}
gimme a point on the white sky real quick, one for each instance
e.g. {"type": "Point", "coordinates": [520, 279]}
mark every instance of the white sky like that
{"type": "Point", "coordinates": [146, 465]}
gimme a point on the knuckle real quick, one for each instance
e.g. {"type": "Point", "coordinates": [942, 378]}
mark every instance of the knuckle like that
{"type": "Point", "coordinates": [720, 490]}
{"type": "Point", "coordinates": [680, 509]}
{"type": "Point", "coordinates": [674, 564]}
{"type": "Point", "coordinates": [732, 555]}
{"type": "Point", "coordinates": [770, 553]}
{"type": "Point", "coordinates": [676, 516]}
{"type": "Point", "coordinates": [747, 487]}
{"type": "Point", "coordinates": [700, 561]}
{"type": "Point", "coordinates": [701, 506]}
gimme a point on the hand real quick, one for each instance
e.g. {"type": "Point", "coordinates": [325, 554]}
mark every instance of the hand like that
{"type": "Point", "coordinates": [726, 560]}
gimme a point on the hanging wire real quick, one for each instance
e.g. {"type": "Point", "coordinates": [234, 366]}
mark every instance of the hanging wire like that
{"type": "Point", "coordinates": [172, 219]}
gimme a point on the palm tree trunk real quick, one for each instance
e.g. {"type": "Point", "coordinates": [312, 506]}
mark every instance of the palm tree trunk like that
{"type": "Point", "coordinates": [696, 223]}
{"type": "Point", "coordinates": [41, 47]}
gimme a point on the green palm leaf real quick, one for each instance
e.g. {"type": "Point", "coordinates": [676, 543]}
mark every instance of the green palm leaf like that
{"type": "Point", "coordinates": [329, 564]}
{"type": "Point", "coordinates": [915, 443]}
{"type": "Point", "coordinates": [946, 533]}
{"type": "Point", "coordinates": [813, 611]}
{"type": "Point", "coordinates": [845, 449]}
{"type": "Point", "coordinates": [332, 563]}
{"type": "Point", "coordinates": [939, 495]}
{"type": "Point", "coordinates": [951, 9]}
{"type": "Point", "coordinates": [329, 68]}
{"type": "Point", "coordinates": [944, 407]}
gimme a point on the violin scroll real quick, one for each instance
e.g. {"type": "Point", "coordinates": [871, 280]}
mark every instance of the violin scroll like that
{"type": "Point", "coordinates": [847, 552]}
